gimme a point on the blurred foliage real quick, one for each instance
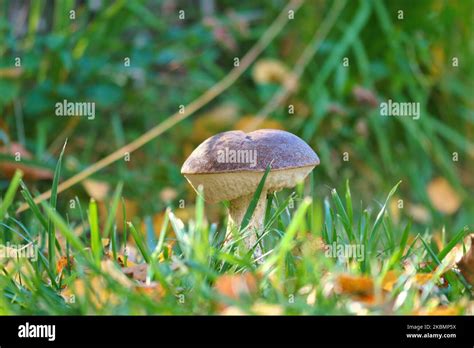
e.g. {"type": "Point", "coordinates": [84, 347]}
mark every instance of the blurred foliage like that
{"type": "Point", "coordinates": [173, 61]}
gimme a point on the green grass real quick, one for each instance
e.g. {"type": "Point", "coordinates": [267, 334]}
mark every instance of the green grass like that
{"type": "Point", "coordinates": [293, 267]}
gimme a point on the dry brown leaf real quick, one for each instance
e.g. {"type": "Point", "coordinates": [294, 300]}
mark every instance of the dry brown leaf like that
{"type": "Point", "coordinates": [97, 287]}
{"type": "Point", "coordinates": [168, 194]}
{"type": "Point", "coordinates": [63, 263]}
{"type": "Point", "coordinates": [137, 272]}
{"type": "Point", "coordinates": [236, 285]}
{"type": "Point", "coordinates": [466, 263]}
{"type": "Point", "coordinates": [29, 172]}
{"type": "Point", "coordinates": [443, 197]}
{"type": "Point", "coordinates": [96, 189]}
{"type": "Point", "coordinates": [111, 268]}
{"type": "Point", "coordinates": [360, 288]}
{"type": "Point", "coordinates": [121, 261]}
{"type": "Point", "coordinates": [153, 290]}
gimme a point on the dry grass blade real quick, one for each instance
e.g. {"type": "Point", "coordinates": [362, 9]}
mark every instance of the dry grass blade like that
{"type": "Point", "coordinates": [177, 117]}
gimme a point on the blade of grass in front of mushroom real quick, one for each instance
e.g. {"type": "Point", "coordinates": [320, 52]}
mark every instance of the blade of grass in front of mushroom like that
{"type": "Point", "coordinates": [255, 199]}
{"type": "Point", "coordinates": [287, 242]}
{"type": "Point", "coordinates": [200, 237]}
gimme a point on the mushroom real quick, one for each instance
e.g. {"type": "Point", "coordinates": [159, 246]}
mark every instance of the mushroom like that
{"type": "Point", "coordinates": [230, 165]}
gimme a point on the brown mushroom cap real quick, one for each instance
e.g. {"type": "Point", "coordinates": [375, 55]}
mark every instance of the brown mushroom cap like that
{"type": "Point", "coordinates": [231, 164]}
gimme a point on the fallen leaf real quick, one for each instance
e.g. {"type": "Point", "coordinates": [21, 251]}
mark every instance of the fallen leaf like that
{"type": "Point", "coordinates": [168, 194]}
{"type": "Point", "coordinates": [443, 197]}
{"type": "Point", "coordinates": [389, 280]}
{"type": "Point", "coordinates": [360, 288]}
{"type": "Point", "coordinates": [262, 308]}
{"type": "Point", "coordinates": [136, 272]}
{"type": "Point", "coordinates": [236, 285]}
{"type": "Point", "coordinates": [96, 288]}
{"type": "Point", "coordinates": [419, 213]}
{"type": "Point", "coordinates": [422, 278]}
{"type": "Point", "coordinates": [270, 71]}
{"type": "Point", "coordinates": [153, 290]}
{"type": "Point", "coordinates": [96, 189]}
{"type": "Point", "coordinates": [29, 172]}
{"type": "Point", "coordinates": [64, 262]}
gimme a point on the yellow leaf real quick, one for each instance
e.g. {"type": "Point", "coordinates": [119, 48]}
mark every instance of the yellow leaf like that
{"type": "Point", "coordinates": [236, 285]}
{"type": "Point", "coordinates": [64, 262]}
{"type": "Point", "coordinates": [270, 71]}
{"type": "Point", "coordinates": [389, 280]}
{"type": "Point", "coordinates": [96, 189]}
{"type": "Point", "coordinates": [246, 122]}
{"type": "Point", "coordinates": [360, 288]}
{"type": "Point", "coordinates": [442, 196]}
{"type": "Point", "coordinates": [30, 172]}
{"type": "Point", "coordinates": [423, 278]}
{"type": "Point", "coordinates": [262, 308]}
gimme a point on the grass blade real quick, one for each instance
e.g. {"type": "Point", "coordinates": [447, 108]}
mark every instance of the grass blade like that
{"type": "Point", "coordinates": [255, 198]}
{"type": "Point", "coordinates": [10, 194]}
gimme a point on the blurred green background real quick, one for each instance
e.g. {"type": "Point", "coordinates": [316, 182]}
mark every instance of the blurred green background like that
{"type": "Point", "coordinates": [173, 61]}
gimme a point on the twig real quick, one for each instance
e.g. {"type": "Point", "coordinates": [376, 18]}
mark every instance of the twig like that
{"type": "Point", "coordinates": [303, 60]}
{"type": "Point", "coordinates": [177, 117]}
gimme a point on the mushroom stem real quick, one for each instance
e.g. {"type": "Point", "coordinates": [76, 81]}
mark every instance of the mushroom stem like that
{"type": "Point", "coordinates": [237, 209]}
